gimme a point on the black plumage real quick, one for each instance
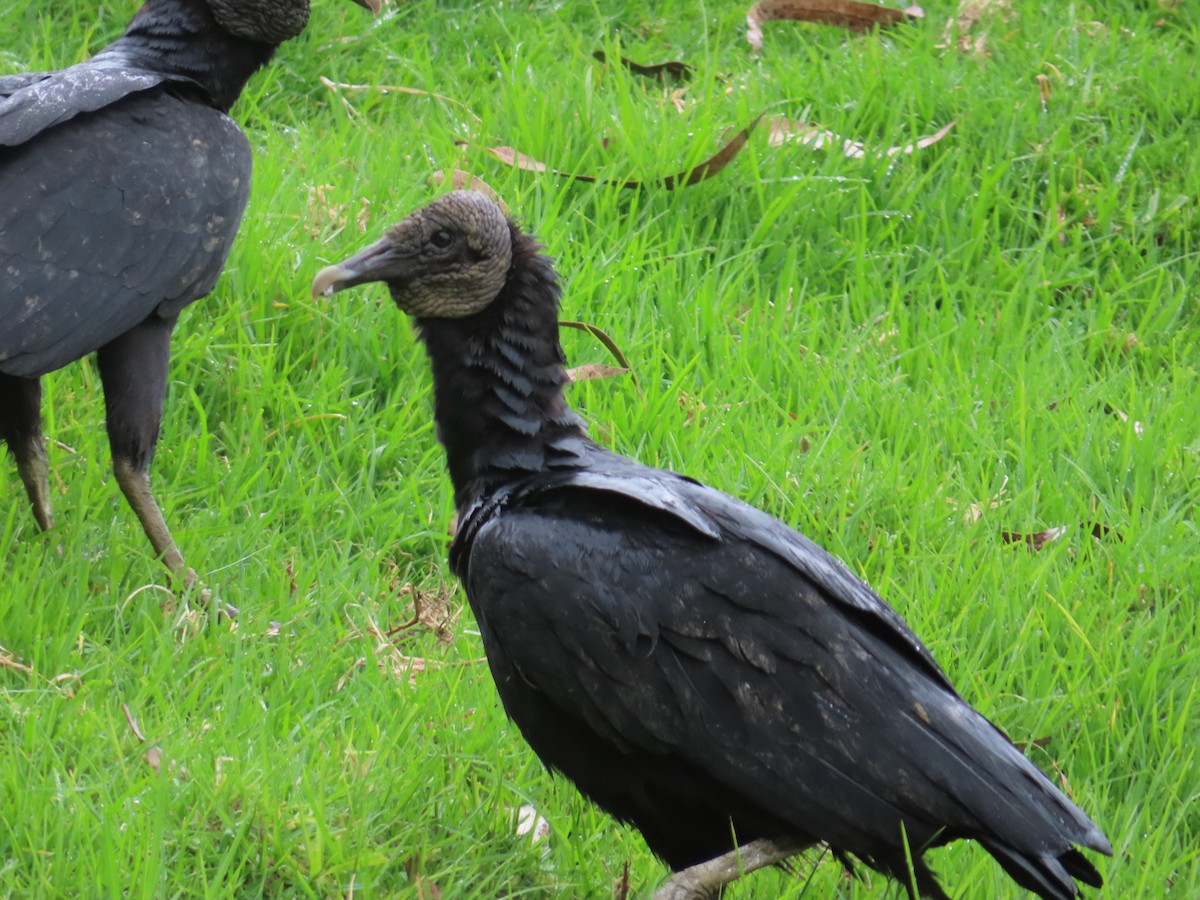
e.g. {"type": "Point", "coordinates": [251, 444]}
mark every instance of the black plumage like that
{"type": "Point", "coordinates": [696, 667]}
{"type": "Point", "coordinates": [122, 185]}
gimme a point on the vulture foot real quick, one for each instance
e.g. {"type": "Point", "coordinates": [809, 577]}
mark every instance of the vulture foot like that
{"type": "Point", "coordinates": [705, 880]}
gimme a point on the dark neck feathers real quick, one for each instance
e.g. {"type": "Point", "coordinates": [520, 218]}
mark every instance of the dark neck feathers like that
{"type": "Point", "coordinates": [182, 40]}
{"type": "Point", "coordinates": [498, 382]}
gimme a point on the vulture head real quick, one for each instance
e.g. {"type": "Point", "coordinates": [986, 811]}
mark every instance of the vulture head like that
{"type": "Point", "coordinates": [447, 260]}
{"type": "Point", "coordinates": [267, 21]}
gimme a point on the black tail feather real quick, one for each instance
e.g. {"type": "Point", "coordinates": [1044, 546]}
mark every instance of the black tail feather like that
{"type": "Point", "coordinates": [1050, 877]}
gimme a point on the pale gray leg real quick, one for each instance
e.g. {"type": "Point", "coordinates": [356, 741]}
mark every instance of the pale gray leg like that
{"type": "Point", "coordinates": [133, 369]}
{"type": "Point", "coordinates": [705, 880]}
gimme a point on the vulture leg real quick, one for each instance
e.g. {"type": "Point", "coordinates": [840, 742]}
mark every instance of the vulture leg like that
{"type": "Point", "coordinates": [705, 880]}
{"type": "Point", "coordinates": [21, 429]}
{"type": "Point", "coordinates": [133, 369]}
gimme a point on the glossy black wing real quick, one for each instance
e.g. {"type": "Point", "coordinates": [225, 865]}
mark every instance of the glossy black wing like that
{"type": "Point", "coordinates": [10, 84]}
{"type": "Point", "coordinates": [621, 621]}
{"type": "Point", "coordinates": [33, 103]}
{"type": "Point", "coordinates": [110, 217]}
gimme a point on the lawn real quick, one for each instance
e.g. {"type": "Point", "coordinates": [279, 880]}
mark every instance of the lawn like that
{"type": "Point", "coordinates": [971, 371]}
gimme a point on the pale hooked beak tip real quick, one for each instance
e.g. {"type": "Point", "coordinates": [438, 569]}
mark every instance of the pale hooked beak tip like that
{"type": "Point", "coordinates": [330, 280]}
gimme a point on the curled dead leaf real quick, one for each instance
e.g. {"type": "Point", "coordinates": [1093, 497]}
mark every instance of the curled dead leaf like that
{"type": "Point", "coordinates": [688, 177]}
{"type": "Point", "coordinates": [846, 13]}
{"type": "Point", "coordinates": [680, 71]}
{"type": "Point", "coordinates": [1035, 541]}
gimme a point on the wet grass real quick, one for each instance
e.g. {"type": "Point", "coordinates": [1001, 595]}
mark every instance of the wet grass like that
{"type": "Point", "coordinates": [906, 358]}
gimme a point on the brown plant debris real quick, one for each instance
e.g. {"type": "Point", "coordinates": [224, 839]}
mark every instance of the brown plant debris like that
{"type": "Point", "coordinates": [324, 213]}
{"type": "Point", "coordinates": [594, 372]}
{"type": "Point", "coordinates": [1036, 540]}
{"type": "Point", "coordinates": [9, 660]}
{"type": "Point", "coordinates": [780, 131]}
{"type": "Point", "coordinates": [460, 180]}
{"type": "Point", "coordinates": [974, 511]}
{"type": "Point", "coordinates": [962, 33]}
{"type": "Point", "coordinates": [846, 13]}
{"type": "Point", "coordinates": [604, 338]}
{"type": "Point", "coordinates": [688, 177]}
{"type": "Point", "coordinates": [621, 883]}
{"type": "Point", "coordinates": [679, 71]}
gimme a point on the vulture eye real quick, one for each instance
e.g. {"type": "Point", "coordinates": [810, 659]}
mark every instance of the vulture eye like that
{"type": "Point", "coordinates": [441, 239]}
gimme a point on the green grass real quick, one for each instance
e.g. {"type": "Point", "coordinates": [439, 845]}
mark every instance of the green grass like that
{"type": "Point", "coordinates": [864, 347]}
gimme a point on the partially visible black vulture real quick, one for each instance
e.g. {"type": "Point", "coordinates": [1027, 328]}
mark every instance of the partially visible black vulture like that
{"type": "Point", "coordinates": [694, 666]}
{"type": "Point", "coordinates": [122, 185]}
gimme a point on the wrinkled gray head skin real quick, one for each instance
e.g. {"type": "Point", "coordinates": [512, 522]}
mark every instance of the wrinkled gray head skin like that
{"type": "Point", "coordinates": [266, 21]}
{"type": "Point", "coordinates": [446, 260]}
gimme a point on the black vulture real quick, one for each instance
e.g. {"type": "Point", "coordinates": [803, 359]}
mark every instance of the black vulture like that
{"type": "Point", "coordinates": [696, 667]}
{"type": "Point", "coordinates": [122, 184]}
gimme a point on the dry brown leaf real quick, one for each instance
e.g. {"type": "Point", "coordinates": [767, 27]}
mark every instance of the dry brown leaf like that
{"type": "Point", "coordinates": [705, 170]}
{"type": "Point", "coordinates": [846, 13]}
{"type": "Point", "coordinates": [1036, 540]}
{"type": "Point", "coordinates": [715, 163]}
{"type": "Point", "coordinates": [517, 159]}
{"type": "Point", "coordinates": [680, 71]}
{"type": "Point", "coordinates": [782, 130]}
{"type": "Point", "coordinates": [604, 338]}
{"type": "Point", "coordinates": [594, 372]}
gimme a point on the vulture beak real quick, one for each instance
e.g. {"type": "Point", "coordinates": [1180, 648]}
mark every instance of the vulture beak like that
{"type": "Point", "coordinates": [372, 5]}
{"type": "Point", "coordinates": [379, 262]}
